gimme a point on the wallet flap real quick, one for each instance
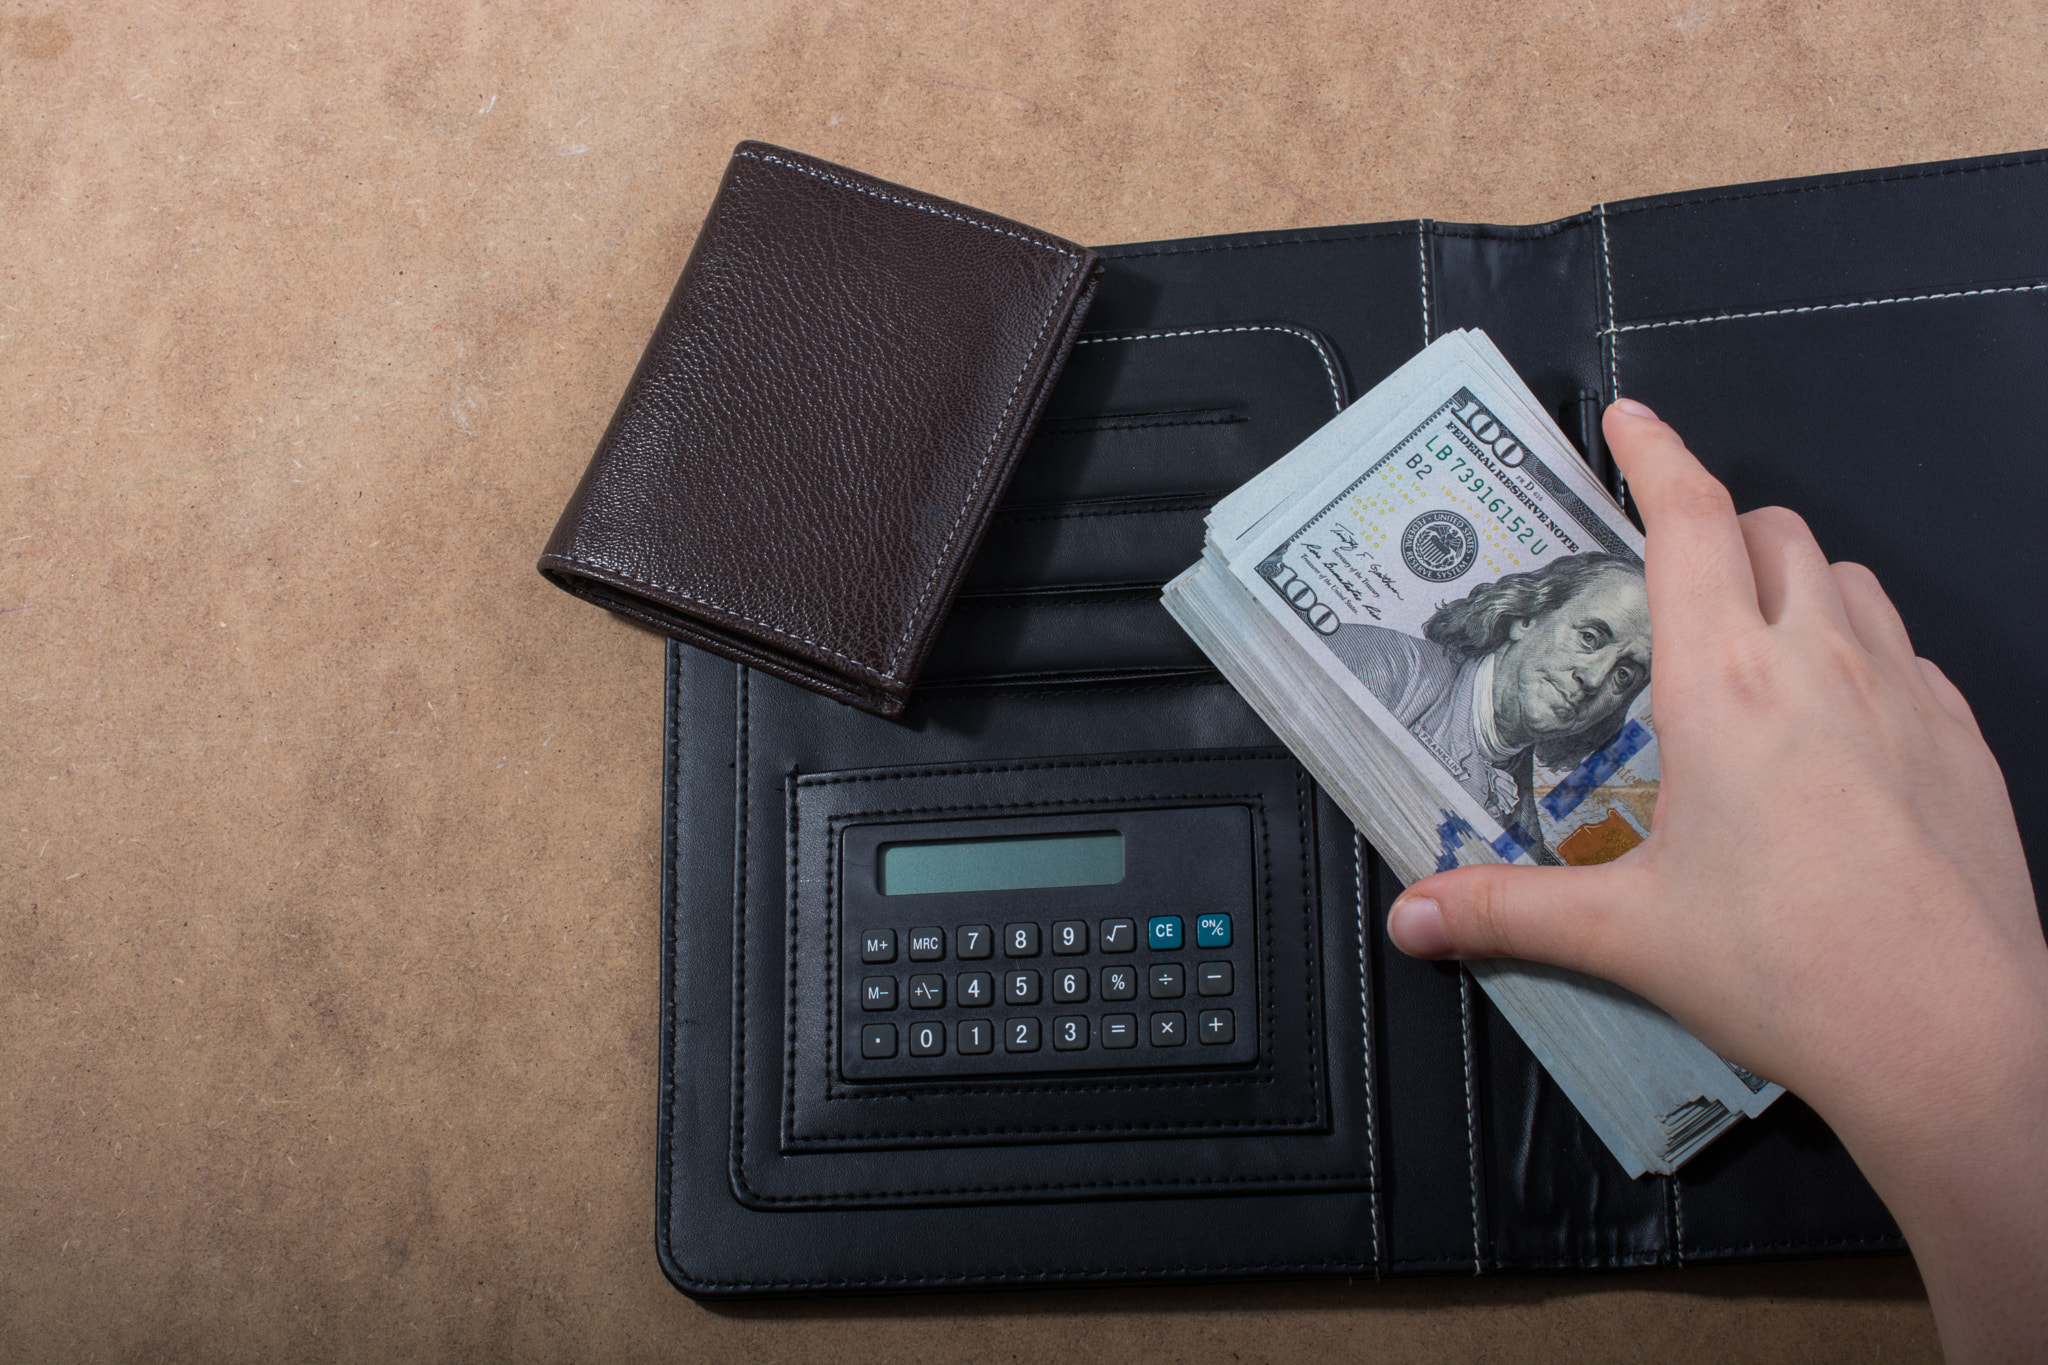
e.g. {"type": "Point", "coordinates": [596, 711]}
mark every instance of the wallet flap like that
{"type": "Point", "coordinates": [833, 400]}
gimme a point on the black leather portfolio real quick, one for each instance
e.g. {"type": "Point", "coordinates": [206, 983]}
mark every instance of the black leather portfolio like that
{"type": "Point", "coordinates": [1070, 974]}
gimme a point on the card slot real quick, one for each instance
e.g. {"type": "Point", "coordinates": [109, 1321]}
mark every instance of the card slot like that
{"type": "Point", "coordinates": [1173, 412]}
{"type": "Point", "coordinates": [1138, 455]}
{"type": "Point", "coordinates": [1135, 421]}
{"type": "Point", "coordinates": [1079, 544]}
{"type": "Point", "coordinates": [1052, 636]}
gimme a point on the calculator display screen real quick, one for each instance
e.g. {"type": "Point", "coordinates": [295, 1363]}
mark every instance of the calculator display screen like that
{"type": "Point", "coordinates": [1002, 864]}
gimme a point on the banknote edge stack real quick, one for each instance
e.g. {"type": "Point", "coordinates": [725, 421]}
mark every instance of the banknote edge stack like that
{"type": "Point", "coordinates": [1654, 1094]}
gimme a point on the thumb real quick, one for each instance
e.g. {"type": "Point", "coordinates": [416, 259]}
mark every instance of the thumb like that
{"type": "Point", "coordinates": [1566, 916]}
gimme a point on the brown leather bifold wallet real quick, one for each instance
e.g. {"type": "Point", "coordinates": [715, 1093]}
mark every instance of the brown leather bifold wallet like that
{"type": "Point", "coordinates": [806, 458]}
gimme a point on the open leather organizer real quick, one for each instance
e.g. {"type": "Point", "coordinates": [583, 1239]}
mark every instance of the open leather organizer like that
{"type": "Point", "coordinates": [1867, 348]}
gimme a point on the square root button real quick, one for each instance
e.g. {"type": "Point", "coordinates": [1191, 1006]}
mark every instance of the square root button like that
{"type": "Point", "coordinates": [1212, 931]}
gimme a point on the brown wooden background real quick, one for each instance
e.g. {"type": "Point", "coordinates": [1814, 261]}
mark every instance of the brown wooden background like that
{"type": "Point", "coordinates": [329, 947]}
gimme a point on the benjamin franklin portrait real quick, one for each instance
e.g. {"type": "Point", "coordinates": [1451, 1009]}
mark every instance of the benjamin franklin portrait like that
{"type": "Point", "coordinates": [1537, 666]}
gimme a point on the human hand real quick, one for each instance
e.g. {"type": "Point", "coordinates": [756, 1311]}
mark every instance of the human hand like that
{"type": "Point", "coordinates": [1833, 892]}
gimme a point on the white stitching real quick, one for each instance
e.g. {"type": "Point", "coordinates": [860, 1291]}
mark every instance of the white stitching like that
{"type": "Point", "coordinates": [1471, 1114]}
{"type": "Point", "coordinates": [981, 471]}
{"type": "Point", "coordinates": [1677, 1219]}
{"type": "Point", "coordinates": [908, 203]}
{"type": "Point", "coordinates": [1815, 308]}
{"type": "Point", "coordinates": [888, 671]}
{"type": "Point", "coordinates": [1372, 1165]}
{"type": "Point", "coordinates": [1322, 352]}
{"type": "Point", "coordinates": [592, 562]}
{"type": "Point", "coordinates": [1422, 255]}
{"type": "Point", "coordinates": [1613, 345]}
{"type": "Point", "coordinates": [981, 474]}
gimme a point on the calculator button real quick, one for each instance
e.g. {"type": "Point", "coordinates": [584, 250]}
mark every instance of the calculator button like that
{"type": "Point", "coordinates": [878, 945]}
{"type": "Point", "coordinates": [1169, 1028]}
{"type": "Point", "coordinates": [976, 1037]}
{"type": "Point", "coordinates": [1213, 978]}
{"type": "Point", "coordinates": [977, 990]}
{"type": "Point", "coordinates": [1020, 987]}
{"type": "Point", "coordinates": [927, 992]}
{"type": "Point", "coordinates": [1163, 931]}
{"type": "Point", "coordinates": [1070, 984]}
{"type": "Point", "coordinates": [878, 993]}
{"type": "Point", "coordinates": [927, 1040]}
{"type": "Point", "coordinates": [1020, 940]}
{"type": "Point", "coordinates": [1119, 935]}
{"type": "Point", "coordinates": [1020, 1035]}
{"type": "Point", "coordinates": [1070, 1032]}
{"type": "Point", "coordinates": [1216, 1026]}
{"type": "Point", "coordinates": [927, 945]}
{"type": "Point", "coordinates": [1120, 983]}
{"type": "Point", "coordinates": [1166, 981]}
{"type": "Point", "coordinates": [878, 1041]}
{"type": "Point", "coordinates": [1119, 1030]}
{"type": "Point", "coordinates": [973, 941]}
{"type": "Point", "coordinates": [1211, 931]}
{"type": "Point", "coordinates": [1070, 936]}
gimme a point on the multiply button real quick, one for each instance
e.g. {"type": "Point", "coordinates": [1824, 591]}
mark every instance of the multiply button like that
{"type": "Point", "coordinates": [927, 945]}
{"type": "Point", "coordinates": [1169, 1028]}
{"type": "Point", "coordinates": [1213, 978]}
{"type": "Point", "coordinates": [1216, 1027]}
{"type": "Point", "coordinates": [1118, 935]}
{"type": "Point", "coordinates": [878, 945]}
{"type": "Point", "coordinates": [1211, 931]}
{"type": "Point", "coordinates": [927, 992]}
{"type": "Point", "coordinates": [878, 993]}
{"type": "Point", "coordinates": [1163, 931]}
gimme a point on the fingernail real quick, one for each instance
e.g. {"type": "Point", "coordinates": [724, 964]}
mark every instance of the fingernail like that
{"type": "Point", "coordinates": [1416, 925]}
{"type": "Point", "coordinates": [1635, 409]}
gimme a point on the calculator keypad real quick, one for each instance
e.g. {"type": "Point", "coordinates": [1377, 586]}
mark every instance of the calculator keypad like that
{"type": "Point", "coordinates": [1076, 994]}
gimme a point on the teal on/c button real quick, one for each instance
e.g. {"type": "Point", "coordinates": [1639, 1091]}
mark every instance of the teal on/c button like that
{"type": "Point", "coordinates": [1163, 931]}
{"type": "Point", "coordinates": [1212, 931]}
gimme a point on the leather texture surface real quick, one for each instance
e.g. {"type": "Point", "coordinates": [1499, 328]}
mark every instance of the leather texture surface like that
{"type": "Point", "coordinates": [804, 462]}
{"type": "Point", "coordinates": [1835, 384]}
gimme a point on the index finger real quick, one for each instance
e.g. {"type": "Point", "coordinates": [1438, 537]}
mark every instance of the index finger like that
{"type": "Point", "coordinates": [1696, 562]}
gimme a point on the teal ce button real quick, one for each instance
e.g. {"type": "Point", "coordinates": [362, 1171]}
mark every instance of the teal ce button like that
{"type": "Point", "coordinates": [1163, 931]}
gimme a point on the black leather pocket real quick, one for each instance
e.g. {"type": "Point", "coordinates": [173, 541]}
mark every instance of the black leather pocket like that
{"type": "Point", "coordinates": [1145, 432]}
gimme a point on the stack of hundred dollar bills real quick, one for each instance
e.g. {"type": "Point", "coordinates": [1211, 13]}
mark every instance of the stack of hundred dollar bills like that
{"type": "Point", "coordinates": [1441, 611]}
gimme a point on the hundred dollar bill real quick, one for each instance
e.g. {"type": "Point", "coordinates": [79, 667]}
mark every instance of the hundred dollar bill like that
{"type": "Point", "coordinates": [1442, 612]}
